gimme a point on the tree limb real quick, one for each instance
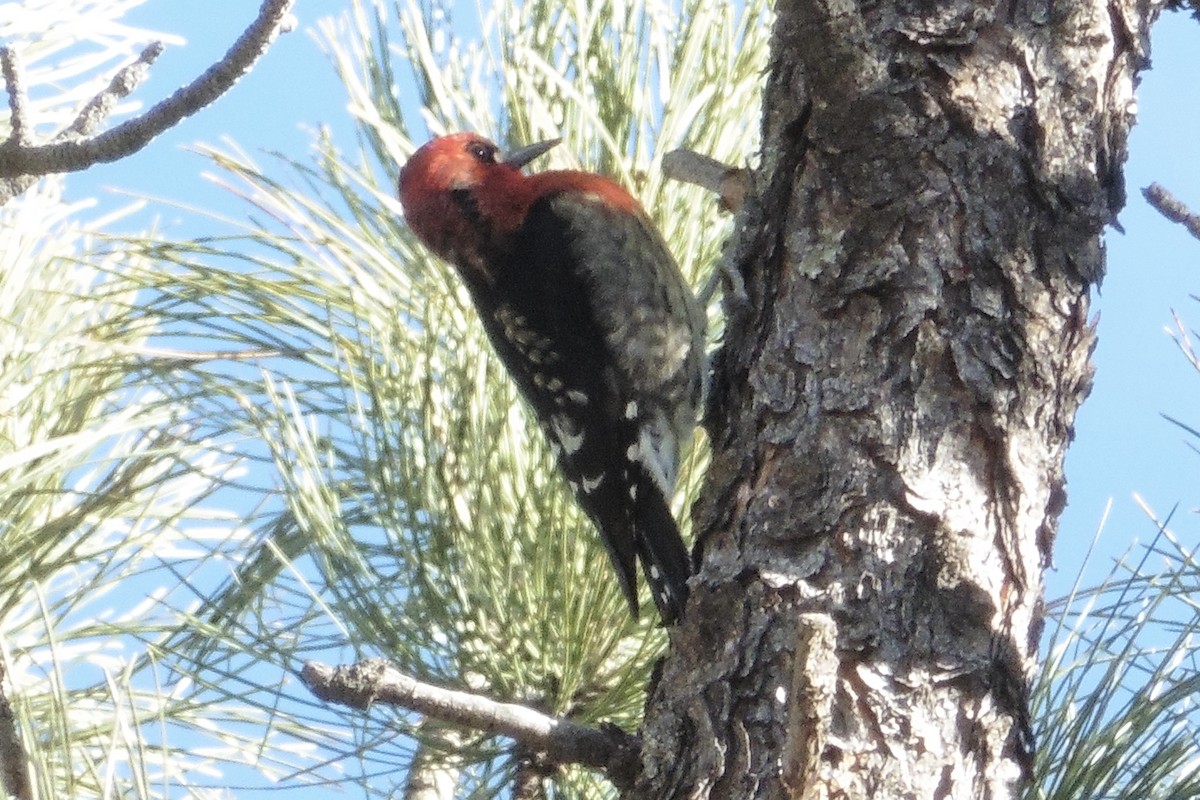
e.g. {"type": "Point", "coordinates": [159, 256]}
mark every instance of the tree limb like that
{"type": "Point", "coordinates": [10, 62]}
{"type": "Point", "coordinates": [1172, 208]}
{"type": "Point", "coordinates": [730, 184]}
{"type": "Point", "coordinates": [564, 742]}
{"type": "Point", "coordinates": [69, 152]}
{"type": "Point", "coordinates": [121, 86]}
{"type": "Point", "coordinates": [93, 113]}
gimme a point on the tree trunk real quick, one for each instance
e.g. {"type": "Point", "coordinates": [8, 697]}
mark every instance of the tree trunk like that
{"type": "Point", "coordinates": [893, 404]}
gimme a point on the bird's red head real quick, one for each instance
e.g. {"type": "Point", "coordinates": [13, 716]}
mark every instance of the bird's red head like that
{"type": "Point", "coordinates": [444, 172]}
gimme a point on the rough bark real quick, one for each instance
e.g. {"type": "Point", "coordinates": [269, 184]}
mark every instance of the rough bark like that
{"type": "Point", "coordinates": [893, 405]}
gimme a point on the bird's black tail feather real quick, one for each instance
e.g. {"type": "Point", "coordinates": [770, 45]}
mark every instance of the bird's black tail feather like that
{"type": "Point", "coordinates": [637, 526]}
{"type": "Point", "coordinates": [660, 547]}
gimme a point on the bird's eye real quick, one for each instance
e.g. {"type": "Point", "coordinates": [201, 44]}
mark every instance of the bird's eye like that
{"type": "Point", "coordinates": [483, 153]}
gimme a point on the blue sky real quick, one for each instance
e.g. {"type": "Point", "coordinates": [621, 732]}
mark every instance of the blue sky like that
{"type": "Point", "coordinates": [1122, 443]}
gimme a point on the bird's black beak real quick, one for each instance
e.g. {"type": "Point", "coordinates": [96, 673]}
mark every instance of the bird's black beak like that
{"type": "Point", "coordinates": [523, 155]}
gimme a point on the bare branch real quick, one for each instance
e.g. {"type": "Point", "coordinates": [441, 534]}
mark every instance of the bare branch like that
{"type": "Point", "coordinates": [1172, 208]}
{"type": "Point", "coordinates": [93, 113]}
{"type": "Point", "coordinates": [730, 184]}
{"type": "Point", "coordinates": [121, 86]}
{"type": "Point", "coordinates": [564, 742]}
{"type": "Point", "coordinates": [132, 135]}
{"type": "Point", "coordinates": [10, 61]}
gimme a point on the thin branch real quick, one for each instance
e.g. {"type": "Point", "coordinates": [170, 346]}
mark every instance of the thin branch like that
{"type": "Point", "coordinates": [1172, 208]}
{"type": "Point", "coordinates": [121, 86]}
{"type": "Point", "coordinates": [564, 742]}
{"type": "Point", "coordinates": [93, 113]}
{"type": "Point", "coordinates": [132, 135]}
{"type": "Point", "coordinates": [730, 184]}
{"type": "Point", "coordinates": [14, 80]}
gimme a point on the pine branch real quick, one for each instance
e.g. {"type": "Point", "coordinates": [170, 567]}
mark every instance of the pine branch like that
{"type": "Point", "coordinates": [564, 742]}
{"type": "Point", "coordinates": [72, 150]}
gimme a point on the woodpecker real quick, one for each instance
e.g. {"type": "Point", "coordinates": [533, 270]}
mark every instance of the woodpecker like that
{"type": "Point", "coordinates": [593, 320]}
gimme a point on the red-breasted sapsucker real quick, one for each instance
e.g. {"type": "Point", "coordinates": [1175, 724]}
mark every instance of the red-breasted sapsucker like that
{"type": "Point", "coordinates": [589, 312]}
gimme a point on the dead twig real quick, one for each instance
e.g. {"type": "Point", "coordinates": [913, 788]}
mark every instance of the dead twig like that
{"type": "Point", "coordinates": [730, 184]}
{"type": "Point", "coordinates": [1172, 208]}
{"type": "Point", "coordinates": [562, 741]}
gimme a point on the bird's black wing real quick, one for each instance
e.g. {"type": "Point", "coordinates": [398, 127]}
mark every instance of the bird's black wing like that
{"type": "Point", "coordinates": [562, 336]}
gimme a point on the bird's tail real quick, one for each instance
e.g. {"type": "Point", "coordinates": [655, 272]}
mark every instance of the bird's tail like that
{"type": "Point", "coordinates": [625, 497]}
{"type": "Point", "coordinates": [661, 550]}
{"type": "Point", "coordinates": [642, 530]}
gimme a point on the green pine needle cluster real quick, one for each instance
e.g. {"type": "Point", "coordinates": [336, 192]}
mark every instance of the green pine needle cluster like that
{"type": "Point", "coordinates": [1115, 707]}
